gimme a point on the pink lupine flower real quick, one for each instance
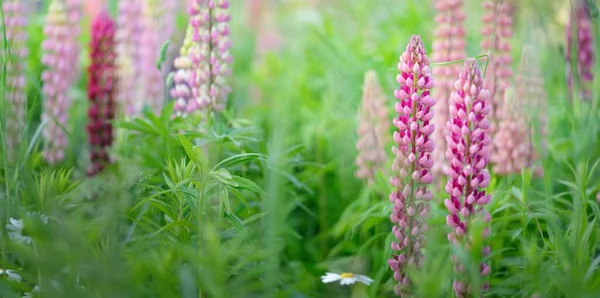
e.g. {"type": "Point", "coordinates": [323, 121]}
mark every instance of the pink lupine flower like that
{"type": "Point", "coordinates": [210, 55]}
{"type": "Point", "coordinates": [499, 71]}
{"type": "Point", "coordinates": [15, 19]}
{"type": "Point", "coordinates": [413, 161]}
{"type": "Point", "coordinates": [101, 91]}
{"type": "Point", "coordinates": [180, 91]}
{"type": "Point", "coordinates": [468, 154]}
{"type": "Point", "coordinates": [61, 53]}
{"type": "Point", "coordinates": [157, 26]}
{"type": "Point", "coordinates": [372, 129]}
{"type": "Point", "coordinates": [449, 45]}
{"type": "Point", "coordinates": [512, 141]}
{"type": "Point", "coordinates": [128, 39]}
{"type": "Point", "coordinates": [584, 40]}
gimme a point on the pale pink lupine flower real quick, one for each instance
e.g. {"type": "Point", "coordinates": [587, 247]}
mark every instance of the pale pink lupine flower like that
{"type": "Point", "coordinates": [129, 19]}
{"type": "Point", "coordinates": [468, 154]}
{"type": "Point", "coordinates": [61, 53]}
{"type": "Point", "coordinates": [584, 40]}
{"type": "Point", "coordinates": [449, 45]}
{"type": "Point", "coordinates": [210, 55]}
{"type": "Point", "coordinates": [499, 72]}
{"type": "Point", "coordinates": [412, 163]}
{"type": "Point", "coordinates": [15, 19]}
{"type": "Point", "coordinates": [512, 141]}
{"type": "Point", "coordinates": [373, 129]}
{"type": "Point", "coordinates": [181, 91]}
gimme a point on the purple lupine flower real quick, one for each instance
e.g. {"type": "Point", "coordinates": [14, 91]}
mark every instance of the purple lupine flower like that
{"type": "Point", "coordinates": [101, 91]}
{"type": "Point", "coordinates": [449, 45]}
{"type": "Point", "coordinates": [585, 49]}
{"type": "Point", "coordinates": [128, 39]}
{"type": "Point", "coordinates": [15, 19]}
{"type": "Point", "coordinates": [468, 154]}
{"type": "Point", "coordinates": [412, 162]}
{"type": "Point", "coordinates": [499, 71]}
{"type": "Point", "coordinates": [61, 53]}
{"type": "Point", "coordinates": [210, 55]}
{"type": "Point", "coordinates": [180, 91]}
{"type": "Point", "coordinates": [373, 128]}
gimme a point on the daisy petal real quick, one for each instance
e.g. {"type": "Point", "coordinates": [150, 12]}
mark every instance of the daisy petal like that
{"type": "Point", "coordinates": [348, 281]}
{"type": "Point", "coordinates": [330, 277]}
{"type": "Point", "coordinates": [364, 279]}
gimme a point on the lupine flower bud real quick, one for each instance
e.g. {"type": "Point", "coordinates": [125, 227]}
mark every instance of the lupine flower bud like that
{"type": "Point", "coordinates": [512, 143]}
{"type": "Point", "coordinates": [372, 129]}
{"type": "Point", "coordinates": [128, 40]}
{"type": "Point", "coordinates": [157, 27]}
{"type": "Point", "coordinates": [15, 20]}
{"type": "Point", "coordinates": [61, 51]}
{"type": "Point", "coordinates": [530, 86]}
{"type": "Point", "coordinates": [101, 91]}
{"type": "Point", "coordinates": [499, 71]}
{"type": "Point", "coordinates": [209, 55]}
{"type": "Point", "coordinates": [584, 40]}
{"type": "Point", "coordinates": [468, 154]}
{"type": "Point", "coordinates": [449, 45]}
{"type": "Point", "coordinates": [413, 161]}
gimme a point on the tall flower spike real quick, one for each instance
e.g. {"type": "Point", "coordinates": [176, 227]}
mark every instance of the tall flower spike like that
{"type": "Point", "coordinates": [210, 55]}
{"type": "Point", "coordinates": [101, 91]}
{"type": "Point", "coordinates": [449, 45]}
{"type": "Point", "coordinates": [512, 140]}
{"type": "Point", "coordinates": [129, 92]}
{"type": "Point", "coordinates": [530, 87]}
{"type": "Point", "coordinates": [499, 71]}
{"type": "Point", "coordinates": [15, 18]}
{"type": "Point", "coordinates": [468, 154]}
{"type": "Point", "coordinates": [584, 48]}
{"type": "Point", "coordinates": [412, 163]}
{"type": "Point", "coordinates": [180, 91]}
{"type": "Point", "coordinates": [372, 129]}
{"type": "Point", "coordinates": [60, 57]}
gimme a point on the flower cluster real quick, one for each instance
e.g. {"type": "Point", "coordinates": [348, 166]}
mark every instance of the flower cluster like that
{"type": "Point", "coordinates": [209, 54]}
{"type": "Point", "coordinates": [61, 52]}
{"type": "Point", "coordinates": [499, 72]}
{"type": "Point", "coordinates": [101, 91]}
{"type": "Point", "coordinates": [468, 153]}
{"type": "Point", "coordinates": [449, 45]}
{"type": "Point", "coordinates": [372, 129]}
{"type": "Point", "coordinates": [180, 91]}
{"type": "Point", "coordinates": [412, 162]}
{"type": "Point", "coordinates": [128, 44]}
{"type": "Point", "coordinates": [582, 22]}
{"type": "Point", "coordinates": [15, 18]}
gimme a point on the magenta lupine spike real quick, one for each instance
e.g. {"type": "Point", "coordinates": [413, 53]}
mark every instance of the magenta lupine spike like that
{"type": "Point", "coordinates": [15, 19]}
{"type": "Point", "coordinates": [468, 154]}
{"type": "Point", "coordinates": [499, 73]}
{"type": "Point", "coordinates": [61, 52]}
{"type": "Point", "coordinates": [412, 163]}
{"type": "Point", "coordinates": [101, 91]}
{"type": "Point", "coordinates": [373, 129]}
{"type": "Point", "coordinates": [512, 141]}
{"type": "Point", "coordinates": [449, 45]}
{"type": "Point", "coordinates": [584, 49]}
{"type": "Point", "coordinates": [210, 55]}
{"type": "Point", "coordinates": [129, 92]}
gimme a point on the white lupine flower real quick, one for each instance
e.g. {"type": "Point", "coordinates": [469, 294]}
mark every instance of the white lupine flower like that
{"type": "Point", "coordinates": [345, 278]}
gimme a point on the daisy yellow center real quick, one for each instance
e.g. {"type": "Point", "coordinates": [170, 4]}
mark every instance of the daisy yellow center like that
{"type": "Point", "coordinates": [346, 275]}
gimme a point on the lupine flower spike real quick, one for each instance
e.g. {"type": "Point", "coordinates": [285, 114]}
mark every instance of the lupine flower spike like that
{"type": "Point", "coordinates": [449, 45]}
{"type": "Point", "coordinates": [468, 154]}
{"type": "Point", "coordinates": [372, 129]}
{"type": "Point", "coordinates": [584, 48]}
{"type": "Point", "coordinates": [15, 18]}
{"type": "Point", "coordinates": [101, 91]}
{"type": "Point", "coordinates": [60, 58]}
{"type": "Point", "coordinates": [180, 91]}
{"type": "Point", "coordinates": [210, 55]}
{"type": "Point", "coordinates": [128, 41]}
{"type": "Point", "coordinates": [499, 71]}
{"type": "Point", "coordinates": [413, 162]}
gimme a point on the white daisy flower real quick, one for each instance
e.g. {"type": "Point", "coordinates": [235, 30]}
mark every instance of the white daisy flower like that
{"type": "Point", "coordinates": [10, 275]}
{"type": "Point", "coordinates": [345, 278]}
{"type": "Point", "coordinates": [16, 227]}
